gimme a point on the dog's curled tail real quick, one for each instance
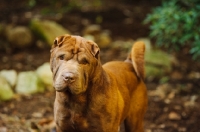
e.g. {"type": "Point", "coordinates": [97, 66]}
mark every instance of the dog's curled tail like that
{"type": "Point", "coordinates": [137, 58]}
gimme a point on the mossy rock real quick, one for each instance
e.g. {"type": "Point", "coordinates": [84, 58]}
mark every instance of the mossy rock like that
{"type": "Point", "coordinates": [29, 83]}
{"type": "Point", "coordinates": [47, 30]}
{"type": "Point", "coordinates": [6, 92]}
{"type": "Point", "coordinates": [158, 63]}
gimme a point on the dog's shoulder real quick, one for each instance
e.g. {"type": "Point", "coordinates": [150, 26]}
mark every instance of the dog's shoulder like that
{"type": "Point", "coordinates": [119, 68]}
{"type": "Point", "coordinates": [118, 65]}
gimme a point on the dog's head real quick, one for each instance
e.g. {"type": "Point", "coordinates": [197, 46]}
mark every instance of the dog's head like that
{"type": "Point", "coordinates": [73, 60]}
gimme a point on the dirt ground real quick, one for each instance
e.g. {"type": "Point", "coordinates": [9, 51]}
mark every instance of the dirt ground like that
{"type": "Point", "coordinates": [178, 110]}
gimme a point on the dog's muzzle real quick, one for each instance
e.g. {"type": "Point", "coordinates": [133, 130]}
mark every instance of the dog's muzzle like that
{"type": "Point", "coordinates": [68, 77]}
{"type": "Point", "coordinates": [65, 82]}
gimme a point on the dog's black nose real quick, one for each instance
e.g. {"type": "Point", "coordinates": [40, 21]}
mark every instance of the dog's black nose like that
{"type": "Point", "coordinates": [68, 77]}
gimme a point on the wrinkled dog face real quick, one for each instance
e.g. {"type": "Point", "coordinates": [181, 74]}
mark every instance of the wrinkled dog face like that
{"type": "Point", "coordinates": [73, 59]}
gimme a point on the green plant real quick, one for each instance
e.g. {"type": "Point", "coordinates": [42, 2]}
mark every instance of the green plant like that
{"type": "Point", "coordinates": [175, 24]}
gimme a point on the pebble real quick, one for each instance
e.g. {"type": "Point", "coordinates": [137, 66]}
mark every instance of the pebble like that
{"type": "Point", "coordinates": [174, 116]}
{"type": "Point", "coordinates": [3, 129]}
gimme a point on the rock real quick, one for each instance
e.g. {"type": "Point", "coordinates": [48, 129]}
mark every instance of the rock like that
{"type": "Point", "coordinates": [10, 76]}
{"type": "Point", "coordinates": [158, 62]}
{"type": "Point", "coordinates": [122, 45]}
{"type": "Point", "coordinates": [89, 37]}
{"type": "Point", "coordinates": [162, 126]}
{"type": "Point", "coordinates": [163, 91]}
{"type": "Point", "coordinates": [182, 129]}
{"type": "Point", "coordinates": [152, 71]}
{"type": "Point", "coordinates": [158, 58]}
{"type": "Point", "coordinates": [28, 83]}
{"type": "Point", "coordinates": [171, 95]}
{"type": "Point", "coordinates": [103, 40]}
{"type": "Point", "coordinates": [194, 75]}
{"type": "Point", "coordinates": [45, 74]}
{"type": "Point", "coordinates": [19, 36]}
{"type": "Point", "coordinates": [47, 30]}
{"type": "Point", "coordinates": [94, 32]}
{"type": "Point", "coordinates": [37, 115]}
{"type": "Point", "coordinates": [174, 116]}
{"type": "Point", "coordinates": [6, 92]}
{"type": "Point", "coordinates": [191, 103]}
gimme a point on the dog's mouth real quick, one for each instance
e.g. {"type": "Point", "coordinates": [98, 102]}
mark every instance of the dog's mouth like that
{"type": "Point", "coordinates": [61, 88]}
{"type": "Point", "coordinates": [68, 89]}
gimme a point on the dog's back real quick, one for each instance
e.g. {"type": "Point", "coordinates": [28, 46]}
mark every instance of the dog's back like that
{"type": "Point", "coordinates": [136, 58]}
{"type": "Point", "coordinates": [129, 76]}
{"type": "Point", "coordinates": [131, 69]}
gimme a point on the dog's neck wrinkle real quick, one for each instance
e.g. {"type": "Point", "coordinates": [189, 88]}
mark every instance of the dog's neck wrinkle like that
{"type": "Point", "coordinates": [100, 80]}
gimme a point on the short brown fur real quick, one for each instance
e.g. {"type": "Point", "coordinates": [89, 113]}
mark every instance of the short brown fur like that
{"type": "Point", "coordinates": [95, 98]}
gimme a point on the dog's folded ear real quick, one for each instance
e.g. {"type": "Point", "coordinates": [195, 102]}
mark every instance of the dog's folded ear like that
{"type": "Point", "coordinates": [94, 49]}
{"type": "Point", "coordinates": [59, 40]}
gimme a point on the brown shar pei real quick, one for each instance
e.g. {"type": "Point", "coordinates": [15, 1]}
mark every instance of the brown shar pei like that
{"type": "Point", "coordinates": [95, 98]}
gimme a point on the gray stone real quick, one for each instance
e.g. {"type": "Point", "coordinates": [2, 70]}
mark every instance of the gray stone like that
{"type": "Point", "coordinates": [19, 36]}
{"type": "Point", "coordinates": [6, 92]}
{"type": "Point", "coordinates": [45, 75]}
{"type": "Point", "coordinates": [29, 83]}
{"type": "Point", "coordinates": [47, 30]}
{"type": "Point", "coordinates": [10, 76]}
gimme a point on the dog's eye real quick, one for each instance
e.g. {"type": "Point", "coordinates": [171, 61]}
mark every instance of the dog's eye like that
{"type": "Point", "coordinates": [84, 61]}
{"type": "Point", "coordinates": [61, 57]}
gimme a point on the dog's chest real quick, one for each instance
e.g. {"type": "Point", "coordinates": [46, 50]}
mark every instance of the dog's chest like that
{"type": "Point", "coordinates": [77, 120]}
{"type": "Point", "coordinates": [70, 121]}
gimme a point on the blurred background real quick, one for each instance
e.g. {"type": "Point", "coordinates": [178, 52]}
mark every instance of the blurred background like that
{"type": "Point", "coordinates": [170, 30]}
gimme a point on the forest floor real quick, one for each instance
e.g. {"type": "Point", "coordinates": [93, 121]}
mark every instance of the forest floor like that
{"type": "Point", "coordinates": [177, 110]}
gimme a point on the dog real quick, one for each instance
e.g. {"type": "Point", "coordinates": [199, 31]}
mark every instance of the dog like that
{"type": "Point", "coordinates": [91, 97]}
